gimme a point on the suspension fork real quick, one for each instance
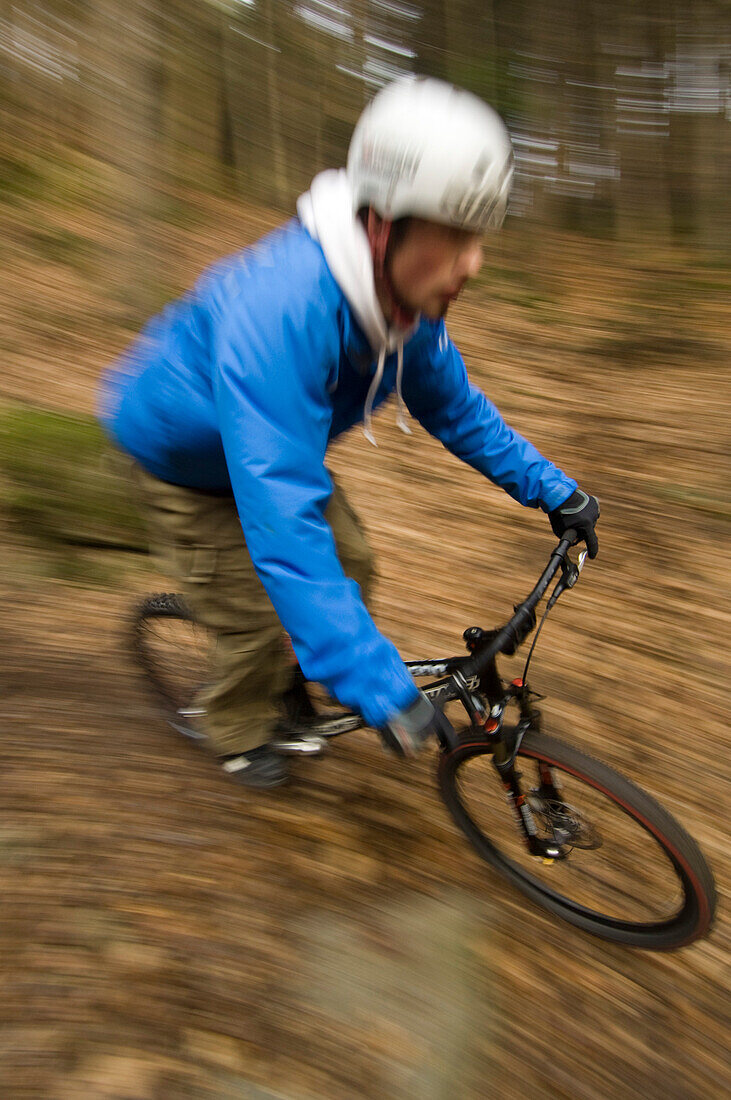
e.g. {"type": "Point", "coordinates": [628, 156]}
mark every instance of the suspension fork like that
{"type": "Point", "coordinates": [507, 741]}
{"type": "Point", "coordinates": [504, 763]}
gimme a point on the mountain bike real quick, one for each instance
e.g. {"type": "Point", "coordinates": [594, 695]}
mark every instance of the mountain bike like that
{"type": "Point", "coordinates": [571, 833]}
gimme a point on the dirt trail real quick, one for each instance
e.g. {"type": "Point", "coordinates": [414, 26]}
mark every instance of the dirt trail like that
{"type": "Point", "coordinates": [165, 937]}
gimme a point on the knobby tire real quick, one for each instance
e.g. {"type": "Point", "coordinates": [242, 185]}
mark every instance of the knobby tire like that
{"type": "Point", "coordinates": [171, 650]}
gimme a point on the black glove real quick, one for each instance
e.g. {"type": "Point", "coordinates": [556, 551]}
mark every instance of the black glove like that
{"type": "Point", "coordinates": [410, 729]}
{"type": "Point", "coordinates": [581, 512]}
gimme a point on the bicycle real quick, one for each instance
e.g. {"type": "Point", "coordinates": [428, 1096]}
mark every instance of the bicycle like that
{"type": "Point", "coordinates": [582, 841]}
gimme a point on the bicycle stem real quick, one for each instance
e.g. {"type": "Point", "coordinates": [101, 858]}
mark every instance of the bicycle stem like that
{"type": "Point", "coordinates": [516, 630]}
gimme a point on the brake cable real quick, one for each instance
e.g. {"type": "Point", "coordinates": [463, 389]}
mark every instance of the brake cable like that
{"type": "Point", "coordinates": [533, 644]}
{"type": "Point", "coordinates": [569, 577]}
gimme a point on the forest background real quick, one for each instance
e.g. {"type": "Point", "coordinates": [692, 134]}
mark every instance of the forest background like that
{"type": "Point", "coordinates": [159, 936]}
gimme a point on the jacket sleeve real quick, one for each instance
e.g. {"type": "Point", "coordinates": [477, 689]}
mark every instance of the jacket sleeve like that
{"type": "Point", "coordinates": [271, 391]}
{"type": "Point", "coordinates": [440, 395]}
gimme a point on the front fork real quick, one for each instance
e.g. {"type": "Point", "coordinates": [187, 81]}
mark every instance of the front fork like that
{"type": "Point", "coordinates": [506, 743]}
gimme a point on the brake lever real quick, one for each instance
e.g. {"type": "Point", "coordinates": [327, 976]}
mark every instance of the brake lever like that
{"type": "Point", "coordinates": [571, 570]}
{"type": "Point", "coordinates": [569, 576]}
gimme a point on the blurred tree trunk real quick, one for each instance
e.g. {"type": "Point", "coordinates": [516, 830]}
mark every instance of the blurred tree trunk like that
{"type": "Point", "coordinates": [698, 152]}
{"type": "Point", "coordinates": [123, 50]}
{"type": "Point", "coordinates": [190, 94]}
{"type": "Point", "coordinates": [229, 97]}
{"type": "Point", "coordinates": [587, 204]}
{"type": "Point", "coordinates": [438, 20]}
{"type": "Point", "coordinates": [642, 120]}
{"type": "Point", "coordinates": [255, 102]}
{"type": "Point", "coordinates": [276, 109]}
{"type": "Point", "coordinates": [225, 127]}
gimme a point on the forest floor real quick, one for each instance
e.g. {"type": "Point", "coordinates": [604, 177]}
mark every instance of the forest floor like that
{"type": "Point", "coordinates": [165, 935]}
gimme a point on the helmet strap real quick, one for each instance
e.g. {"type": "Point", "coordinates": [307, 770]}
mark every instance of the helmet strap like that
{"type": "Point", "coordinates": [378, 230]}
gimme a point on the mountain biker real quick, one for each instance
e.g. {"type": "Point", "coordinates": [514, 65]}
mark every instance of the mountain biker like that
{"type": "Point", "coordinates": [229, 398]}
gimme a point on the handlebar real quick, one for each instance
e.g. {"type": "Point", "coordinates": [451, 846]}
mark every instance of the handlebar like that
{"type": "Point", "coordinates": [516, 630]}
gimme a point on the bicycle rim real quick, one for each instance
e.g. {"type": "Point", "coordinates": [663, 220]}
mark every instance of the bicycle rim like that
{"type": "Point", "coordinates": [637, 878]}
{"type": "Point", "coordinates": [174, 654]}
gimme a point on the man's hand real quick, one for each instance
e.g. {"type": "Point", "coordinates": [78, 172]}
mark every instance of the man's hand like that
{"type": "Point", "coordinates": [410, 729]}
{"type": "Point", "coordinates": [581, 512]}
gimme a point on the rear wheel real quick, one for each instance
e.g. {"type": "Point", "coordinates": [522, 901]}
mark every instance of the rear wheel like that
{"type": "Point", "coordinates": [174, 653]}
{"type": "Point", "coordinates": [627, 871]}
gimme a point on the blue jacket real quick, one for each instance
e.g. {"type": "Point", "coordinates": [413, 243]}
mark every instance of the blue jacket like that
{"type": "Point", "coordinates": [244, 382]}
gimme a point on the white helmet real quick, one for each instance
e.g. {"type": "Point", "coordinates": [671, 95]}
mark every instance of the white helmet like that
{"type": "Point", "coordinates": [427, 149]}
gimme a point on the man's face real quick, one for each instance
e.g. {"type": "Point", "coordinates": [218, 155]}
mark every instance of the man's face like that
{"type": "Point", "coordinates": [431, 264]}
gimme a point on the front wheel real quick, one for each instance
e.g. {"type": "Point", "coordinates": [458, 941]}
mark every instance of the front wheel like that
{"type": "Point", "coordinates": [626, 871]}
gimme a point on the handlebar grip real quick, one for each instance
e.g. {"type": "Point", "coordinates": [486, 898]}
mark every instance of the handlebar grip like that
{"type": "Point", "coordinates": [569, 538]}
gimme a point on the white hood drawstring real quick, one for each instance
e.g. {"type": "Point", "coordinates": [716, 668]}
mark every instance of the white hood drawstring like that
{"type": "Point", "coordinates": [326, 211]}
{"type": "Point", "coordinates": [373, 390]}
{"type": "Point", "coordinates": [401, 413]}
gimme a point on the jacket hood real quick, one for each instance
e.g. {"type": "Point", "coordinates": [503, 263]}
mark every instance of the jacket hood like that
{"type": "Point", "coordinates": [327, 213]}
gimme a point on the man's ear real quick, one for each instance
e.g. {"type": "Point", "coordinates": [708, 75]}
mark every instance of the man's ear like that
{"type": "Point", "coordinates": [378, 230]}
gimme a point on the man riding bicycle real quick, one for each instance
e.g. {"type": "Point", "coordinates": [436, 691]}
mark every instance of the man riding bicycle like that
{"type": "Point", "coordinates": [228, 400]}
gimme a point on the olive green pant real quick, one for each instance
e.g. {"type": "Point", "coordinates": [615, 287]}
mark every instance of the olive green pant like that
{"type": "Point", "coordinates": [198, 540]}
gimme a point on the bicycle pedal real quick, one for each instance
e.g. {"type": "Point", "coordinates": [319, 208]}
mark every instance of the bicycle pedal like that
{"type": "Point", "coordinates": [189, 731]}
{"type": "Point", "coordinates": [305, 746]}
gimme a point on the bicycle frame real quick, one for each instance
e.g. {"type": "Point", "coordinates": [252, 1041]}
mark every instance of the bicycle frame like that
{"type": "Point", "coordinates": [469, 679]}
{"type": "Point", "coordinates": [462, 675]}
